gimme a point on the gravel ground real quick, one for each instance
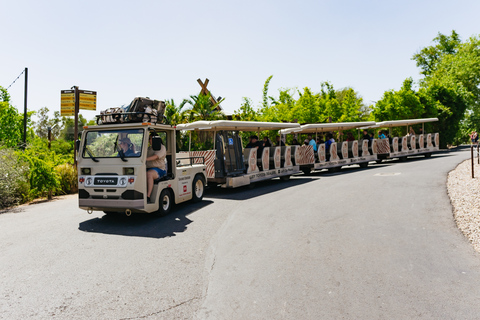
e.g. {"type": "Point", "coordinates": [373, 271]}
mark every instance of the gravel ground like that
{"type": "Point", "coordinates": [464, 195]}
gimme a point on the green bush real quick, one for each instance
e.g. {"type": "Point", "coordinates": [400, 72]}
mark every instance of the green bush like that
{"type": "Point", "coordinates": [14, 185]}
{"type": "Point", "coordinates": [42, 176]}
{"type": "Point", "coordinates": [67, 178]}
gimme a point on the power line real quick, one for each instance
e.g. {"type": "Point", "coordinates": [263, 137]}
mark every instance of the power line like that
{"type": "Point", "coordinates": [16, 79]}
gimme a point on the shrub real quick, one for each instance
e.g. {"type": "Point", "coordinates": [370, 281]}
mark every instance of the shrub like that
{"type": "Point", "coordinates": [67, 178]}
{"type": "Point", "coordinates": [14, 186]}
{"type": "Point", "coordinates": [42, 176]}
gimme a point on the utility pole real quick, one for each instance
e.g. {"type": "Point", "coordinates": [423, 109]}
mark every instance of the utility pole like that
{"type": "Point", "coordinates": [75, 136]}
{"type": "Point", "coordinates": [25, 111]}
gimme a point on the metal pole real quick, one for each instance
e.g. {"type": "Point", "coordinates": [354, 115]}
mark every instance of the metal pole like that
{"type": "Point", "coordinates": [75, 136]}
{"type": "Point", "coordinates": [25, 110]}
{"type": "Point", "coordinates": [471, 149]}
{"type": "Point", "coordinates": [478, 154]}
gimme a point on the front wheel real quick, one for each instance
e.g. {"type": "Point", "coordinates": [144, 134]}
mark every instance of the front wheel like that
{"type": "Point", "coordinates": [198, 189]}
{"type": "Point", "coordinates": [165, 203]}
{"type": "Point", "coordinates": [428, 155]}
{"type": "Point", "coordinates": [285, 178]}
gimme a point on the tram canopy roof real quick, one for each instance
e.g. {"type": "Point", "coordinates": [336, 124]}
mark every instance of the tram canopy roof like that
{"type": "Point", "coordinates": [400, 123]}
{"type": "Point", "coordinates": [325, 127]}
{"type": "Point", "coordinates": [236, 125]}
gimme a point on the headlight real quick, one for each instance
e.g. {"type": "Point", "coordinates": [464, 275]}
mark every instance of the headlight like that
{"type": "Point", "coordinates": [88, 181]}
{"type": "Point", "coordinates": [86, 171]}
{"type": "Point", "coordinates": [123, 182]}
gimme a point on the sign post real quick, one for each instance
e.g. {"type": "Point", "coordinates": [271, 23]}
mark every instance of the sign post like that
{"type": "Point", "coordinates": [71, 101]}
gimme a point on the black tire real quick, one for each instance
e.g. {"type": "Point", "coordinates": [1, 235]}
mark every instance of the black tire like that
{"type": "Point", "coordinates": [285, 178]}
{"type": "Point", "coordinates": [428, 155]}
{"type": "Point", "coordinates": [403, 159]}
{"type": "Point", "coordinates": [198, 188]}
{"type": "Point", "coordinates": [165, 203]}
{"type": "Point", "coordinates": [379, 161]}
{"type": "Point", "coordinates": [306, 171]}
{"type": "Point", "coordinates": [363, 164]}
{"type": "Point", "coordinates": [111, 213]}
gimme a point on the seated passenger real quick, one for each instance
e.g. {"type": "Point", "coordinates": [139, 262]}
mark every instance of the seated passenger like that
{"type": "Point", "coordinates": [127, 148]}
{"type": "Point", "coordinates": [254, 143]}
{"type": "Point", "coordinates": [155, 166]}
{"type": "Point", "coordinates": [381, 135]}
{"type": "Point", "coordinates": [350, 137]}
{"type": "Point", "coordinates": [366, 136]}
{"type": "Point", "coordinates": [295, 142]}
{"type": "Point", "coordinates": [266, 142]}
{"type": "Point", "coordinates": [312, 142]}
{"type": "Point", "coordinates": [328, 143]}
{"type": "Point", "coordinates": [279, 142]}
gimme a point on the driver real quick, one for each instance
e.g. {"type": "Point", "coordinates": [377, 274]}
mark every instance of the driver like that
{"type": "Point", "coordinates": [155, 165]}
{"type": "Point", "coordinates": [127, 147]}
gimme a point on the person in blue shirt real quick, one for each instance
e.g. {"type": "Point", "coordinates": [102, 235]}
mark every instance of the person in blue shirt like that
{"type": "Point", "coordinates": [329, 141]}
{"type": "Point", "coordinates": [312, 142]}
{"type": "Point", "coordinates": [381, 135]}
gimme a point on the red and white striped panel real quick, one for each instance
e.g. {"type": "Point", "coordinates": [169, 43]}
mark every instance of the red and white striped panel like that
{"type": "Point", "coordinates": [288, 157]}
{"type": "Point", "coordinates": [383, 146]}
{"type": "Point", "coordinates": [365, 151]}
{"type": "Point", "coordinates": [304, 155]}
{"type": "Point", "coordinates": [420, 141]}
{"type": "Point", "coordinates": [277, 157]}
{"type": "Point", "coordinates": [345, 150]}
{"type": "Point", "coordinates": [252, 161]}
{"type": "Point", "coordinates": [355, 149]}
{"type": "Point", "coordinates": [395, 144]}
{"type": "Point", "coordinates": [437, 140]}
{"type": "Point", "coordinates": [413, 145]}
{"type": "Point", "coordinates": [404, 144]}
{"type": "Point", "coordinates": [209, 156]}
{"type": "Point", "coordinates": [429, 141]}
{"type": "Point", "coordinates": [266, 159]}
{"type": "Point", "coordinates": [321, 153]}
{"type": "Point", "coordinates": [333, 152]}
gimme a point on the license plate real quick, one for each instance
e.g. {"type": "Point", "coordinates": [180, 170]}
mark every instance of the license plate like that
{"type": "Point", "coordinates": [106, 181]}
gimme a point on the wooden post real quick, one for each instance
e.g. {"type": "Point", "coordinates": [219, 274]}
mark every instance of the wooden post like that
{"type": "Point", "coordinates": [471, 150]}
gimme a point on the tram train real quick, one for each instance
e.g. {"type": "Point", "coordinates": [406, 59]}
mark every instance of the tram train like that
{"type": "Point", "coordinates": [230, 165]}
{"type": "Point", "coordinates": [112, 159]}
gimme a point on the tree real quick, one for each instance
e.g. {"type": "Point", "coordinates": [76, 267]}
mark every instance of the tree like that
{"type": "Point", "coordinates": [246, 111]}
{"type": "Point", "coordinates": [203, 108]}
{"type": "Point", "coordinates": [399, 105]}
{"type": "Point", "coordinates": [43, 123]}
{"type": "Point", "coordinates": [174, 113]}
{"type": "Point", "coordinates": [11, 122]}
{"type": "Point", "coordinates": [451, 83]}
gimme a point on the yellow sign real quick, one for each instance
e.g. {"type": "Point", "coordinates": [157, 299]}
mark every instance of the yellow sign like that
{"type": "Point", "coordinates": [67, 103]}
{"type": "Point", "coordinates": [87, 101]}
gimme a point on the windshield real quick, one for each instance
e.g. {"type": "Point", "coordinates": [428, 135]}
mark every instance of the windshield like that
{"type": "Point", "coordinates": [113, 143]}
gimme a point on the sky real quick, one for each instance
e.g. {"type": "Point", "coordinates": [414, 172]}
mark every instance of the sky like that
{"type": "Point", "coordinates": [158, 49]}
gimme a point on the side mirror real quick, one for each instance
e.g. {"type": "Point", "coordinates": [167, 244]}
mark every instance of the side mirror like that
{"type": "Point", "coordinates": [157, 143]}
{"type": "Point", "coordinates": [77, 145]}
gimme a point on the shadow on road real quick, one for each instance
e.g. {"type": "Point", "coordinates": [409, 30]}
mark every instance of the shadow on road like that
{"type": "Point", "coordinates": [145, 225]}
{"type": "Point", "coordinates": [257, 189]}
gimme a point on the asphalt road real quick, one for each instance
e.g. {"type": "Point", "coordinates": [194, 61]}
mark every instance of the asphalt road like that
{"type": "Point", "coordinates": [371, 243]}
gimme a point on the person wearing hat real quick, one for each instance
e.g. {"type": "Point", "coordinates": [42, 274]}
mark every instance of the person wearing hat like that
{"type": "Point", "coordinates": [126, 148]}
{"type": "Point", "coordinates": [155, 165]}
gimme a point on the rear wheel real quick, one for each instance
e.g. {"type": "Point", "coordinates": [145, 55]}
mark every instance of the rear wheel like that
{"type": "Point", "coordinates": [403, 159]}
{"type": "Point", "coordinates": [363, 164]}
{"type": "Point", "coordinates": [198, 188]}
{"type": "Point", "coordinates": [379, 161]}
{"type": "Point", "coordinates": [306, 171]}
{"type": "Point", "coordinates": [428, 155]}
{"type": "Point", "coordinates": [285, 178]}
{"type": "Point", "coordinates": [165, 203]}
